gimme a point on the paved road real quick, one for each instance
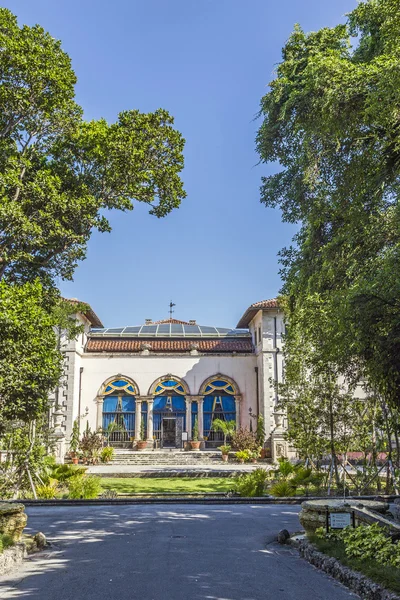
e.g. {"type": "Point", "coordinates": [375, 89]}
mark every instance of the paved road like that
{"type": "Point", "coordinates": [167, 552]}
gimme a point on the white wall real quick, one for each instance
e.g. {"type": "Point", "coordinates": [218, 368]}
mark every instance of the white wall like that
{"type": "Point", "coordinates": [144, 370]}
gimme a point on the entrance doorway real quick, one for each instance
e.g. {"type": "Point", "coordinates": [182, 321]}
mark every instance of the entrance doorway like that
{"type": "Point", "coordinates": [168, 433]}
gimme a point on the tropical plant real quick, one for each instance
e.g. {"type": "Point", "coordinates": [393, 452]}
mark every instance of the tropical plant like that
{"type": "Point", "coordinates": [225, 449]}
{"type": "Point", "coordinates": [227, 428]}
{"type": "Point", "coordinates": [282, 489]}
{"type": "Point", "coordinates": [195, 434]}
{"type": "Point", "coordinates": [251, 484]}
{"type": "Point", "coordinates": [112, 427]}
{"type": "Point", "coordinates": [285, 468]}
{"type": "Point", "coordinates": [107, 454]}
{"type": "Point", "coordinates": [84, 487]}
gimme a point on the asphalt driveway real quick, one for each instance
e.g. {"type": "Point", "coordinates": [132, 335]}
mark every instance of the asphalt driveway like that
{"type": "Point", "coordinates": [162, 552]}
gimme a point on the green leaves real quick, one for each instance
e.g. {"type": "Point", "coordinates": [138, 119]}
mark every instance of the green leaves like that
{"type": "Point", "coordinates": [331, 119]}
{"type": "Point", "coordinates": [30, 365]}
{"type": "Point", "coordinates": [57, 172]}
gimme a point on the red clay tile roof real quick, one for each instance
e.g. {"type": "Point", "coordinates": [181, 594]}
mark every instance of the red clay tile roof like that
{"type": "Point", "coordinates": [254, 308]}
{"type": "Point", "coordinates": [203, 346]}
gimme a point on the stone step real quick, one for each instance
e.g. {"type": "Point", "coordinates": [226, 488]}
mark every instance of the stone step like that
{"type": "Point", "coordinates": [165, 458]}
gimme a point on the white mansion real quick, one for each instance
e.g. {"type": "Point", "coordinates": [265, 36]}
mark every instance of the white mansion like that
{"type": "Point", "coordinates": [158, 378]}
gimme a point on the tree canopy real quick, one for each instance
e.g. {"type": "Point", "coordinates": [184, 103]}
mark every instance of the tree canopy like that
{"type": "Point", "coordinates": [331, 119]}
{"type": "Point", "coordinates": [59, 173]}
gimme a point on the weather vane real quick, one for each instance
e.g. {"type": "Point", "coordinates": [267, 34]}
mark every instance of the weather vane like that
{"type": "Point", "coordinates": [171, 311]}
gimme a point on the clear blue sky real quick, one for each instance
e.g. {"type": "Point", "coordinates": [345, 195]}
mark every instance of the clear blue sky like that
{"type": "Point", "coordinates": [208, 62]}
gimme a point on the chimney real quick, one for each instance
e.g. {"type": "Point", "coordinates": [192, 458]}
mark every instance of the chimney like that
{"type": "Point", "coordinates": [192, 322]}
{"type": "Point", "coordinates": [149, 322]}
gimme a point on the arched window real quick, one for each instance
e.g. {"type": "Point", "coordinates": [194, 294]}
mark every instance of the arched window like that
{"type": "Point", "coordinates": [219, 403]}
{"type": "Point", "coordinates": [169, 412]}
{"type": "Point", "coordinates": [119, 411]}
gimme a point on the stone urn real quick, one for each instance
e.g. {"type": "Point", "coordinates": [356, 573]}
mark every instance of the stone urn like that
{"type": "Point", "coordinates": [141, 445]}
{"type": "Point", "coordinates": [12, 520]}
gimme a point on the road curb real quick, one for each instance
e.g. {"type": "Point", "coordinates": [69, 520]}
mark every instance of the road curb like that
{"type": "Point", "coordinates": [185, 500]}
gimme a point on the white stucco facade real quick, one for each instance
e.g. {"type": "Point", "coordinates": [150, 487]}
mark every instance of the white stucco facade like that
{"type": "Point", "coordinates": [249, 359]}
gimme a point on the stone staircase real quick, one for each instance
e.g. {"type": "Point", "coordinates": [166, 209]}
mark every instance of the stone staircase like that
{"type": "Point", "coordinates": [161, 458]}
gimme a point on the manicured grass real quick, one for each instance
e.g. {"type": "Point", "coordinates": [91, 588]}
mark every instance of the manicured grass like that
{"type": "Point", "coordinates": [388, 577]}
{"type": "Point", "coordinates": [145, 485]}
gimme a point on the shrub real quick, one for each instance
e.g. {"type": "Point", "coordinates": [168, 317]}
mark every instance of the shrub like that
{"type": "Point", "coordinates": [107, 454]}
{"type": "Point", "coordinates": [5, 541]}
{"type": "Point", "coordinates": [91, 444]}
{"type": "Point", "coordinates": [251, 484]}
{"type": "Point", "coordinates": [47, 491]}
{"type": "Point", "coordinates": [84, 486]}
{"type": "Point", "coordinates": [366, 542]}
{"type": "Point", "coordinates": [64, 472]}
{"type": "Point", "coordinates": [282, 489]}
{"type": "Point", "coordinates": [243, 439]}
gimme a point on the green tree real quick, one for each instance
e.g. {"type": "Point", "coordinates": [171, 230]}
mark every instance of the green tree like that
{"type": "Point", "coordinates": [58, 173]}
{"type": "Point", "coordinates": [331, 120]}
{"type": "Point", "coordinates": [30, 364]}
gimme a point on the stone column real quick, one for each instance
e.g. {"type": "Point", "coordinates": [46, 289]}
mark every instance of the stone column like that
{"type": "Point", "coordinates": [279, 446]}
{"type": "Point", "coordinates": [59, 436]}
{"type": "Point", "coordinates": [99, 416]}
{"type": "Point", "coordinates": [150, 421]}
{"type": "Point", "coordinates": [189, 417]}
{"type": "Point", "coordinates": [200, 418]}
{"type": "Point", "coordinates": [237, 406]}
{"type": "Point", "coordinates": [138, 418]}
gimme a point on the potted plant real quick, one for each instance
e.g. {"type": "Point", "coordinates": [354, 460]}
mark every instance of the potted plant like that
{"type": "Point", "coordinates": [194, 442]}
{"type": "Point", "coordinates": [141, 444]}
{"type": "Point", "coordinates": [242, 456]}
{"type": "Point", "coordinates": [227, 428]}
{"type": "Point", "coordinates": [225, 452]}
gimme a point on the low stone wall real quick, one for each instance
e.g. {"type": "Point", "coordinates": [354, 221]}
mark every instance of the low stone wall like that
{"type": "Point", "coordinates": [356, 582]}
{"type": "Point", "coordinates": [12, 520]}
{"type": "Point", "coordinates": [12, 557]}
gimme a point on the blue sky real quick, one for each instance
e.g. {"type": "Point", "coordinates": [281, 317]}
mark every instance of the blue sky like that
{"type": "Point", "coordinates": [208, 62]}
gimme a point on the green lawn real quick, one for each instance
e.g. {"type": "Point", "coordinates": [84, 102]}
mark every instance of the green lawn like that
{"type": "Point", "coordinates": [145, 485]}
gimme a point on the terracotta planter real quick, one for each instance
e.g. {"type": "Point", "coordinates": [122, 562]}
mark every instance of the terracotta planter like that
{"type": "Point", "coordinates": [75, 460]}
{"type": "Point", "coordinates": [195, 445]}
{"type": "Point", "coordinates": [141, 445]}
{"type": "Point", "coordinates": [241, 461]}
{"type": "Point", "coordinates": [225, 457]}
{"type": "Point", "coordinates": [254, 460]}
